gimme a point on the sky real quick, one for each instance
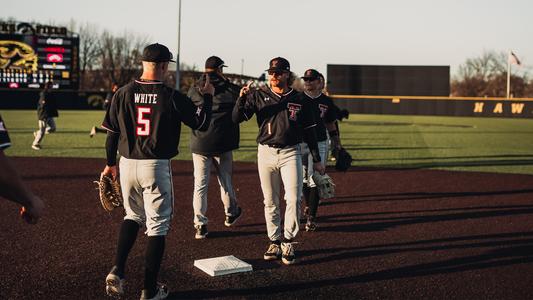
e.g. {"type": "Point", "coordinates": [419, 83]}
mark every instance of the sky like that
{"type": "Point", "coordinates": [246, 34]}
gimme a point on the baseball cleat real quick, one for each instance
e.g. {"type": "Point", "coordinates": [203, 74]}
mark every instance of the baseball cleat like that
{"type": "Point", "coordinates": [273, 251]}
{"type": "Point", "coordinates": [311, 224]}
{"type": "Point", "coordinates": [287, 256]}
{"type": "Point", "coordinates": [230, 220]}
{"type": "Point", "coordinates": [201, 232]}
{"type": "Point", "coordinates": [114, 285]}
{"type": "Point", "coordinates": [36, 147]}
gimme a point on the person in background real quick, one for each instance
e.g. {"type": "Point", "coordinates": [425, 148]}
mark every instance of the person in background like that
{"type": "Point", "coordinates": [46, 112]}
{"type": "Point", "coordinates": [325, 116]}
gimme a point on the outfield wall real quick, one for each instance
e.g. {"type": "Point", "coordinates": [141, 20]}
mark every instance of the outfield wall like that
{"type": "Point", "coordinates": [437, 106]}
{"type": "Point", "coordinates": [390, 105]}
{"type": "Point", "coordinates": [27, 99]}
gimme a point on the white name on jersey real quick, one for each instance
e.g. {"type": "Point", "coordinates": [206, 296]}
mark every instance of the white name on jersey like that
{"type": "Point", "coordinates": [146, 98]}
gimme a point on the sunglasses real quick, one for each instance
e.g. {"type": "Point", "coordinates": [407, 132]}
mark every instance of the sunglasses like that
{"type": "Point", "coordinates": [308, 79]}
{"type": "Point", "coordinates": [277, 73]}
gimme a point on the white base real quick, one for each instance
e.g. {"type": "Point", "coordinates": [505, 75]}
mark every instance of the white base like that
{"type": "Point", "coordinates": [222, 265]}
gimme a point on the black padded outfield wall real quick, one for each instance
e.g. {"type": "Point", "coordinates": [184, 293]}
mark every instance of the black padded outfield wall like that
{"type": "Point", "coordinates": [389, 80]}
{"type": "Point", "coordinates": [475, 107]}
{"type": "Point", "coordinates": [27, 99]}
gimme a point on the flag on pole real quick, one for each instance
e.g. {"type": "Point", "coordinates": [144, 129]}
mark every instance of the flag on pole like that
{"type": "Point", "coordinates": [513, 59]}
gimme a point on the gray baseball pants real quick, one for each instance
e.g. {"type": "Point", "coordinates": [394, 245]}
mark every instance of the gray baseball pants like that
{"type": "Point", "coordinates": [277, 165]}
{"type": "Point", "coordinates": [148, 193]}
{"type": "Point", "coordinates": [202, 168]}
{"type": "Point", "coordinates": [307, 161]}
{"type": "Point", "coordinates": [45, 126]}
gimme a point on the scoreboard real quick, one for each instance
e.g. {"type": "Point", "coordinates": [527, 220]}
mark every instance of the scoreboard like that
{"type": "Point", "coordinates": [32, 55]}
{"type": "Point", "coordinates": [389, 80]}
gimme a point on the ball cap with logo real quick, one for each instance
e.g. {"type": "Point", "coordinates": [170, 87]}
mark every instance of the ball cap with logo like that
{"type": "Point", "coordinates": [311, 74]}
{"type": "Point", "coordinates": [156, 53]}
{"type": "Point", "coordinates": [279, 64]}
{"type": "Point", "coordinates": [214, 62]}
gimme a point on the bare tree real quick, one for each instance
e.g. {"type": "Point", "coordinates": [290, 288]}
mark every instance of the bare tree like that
{"type": "Point", "coordinates": [120, 56]}
{"type": "Point", "coordinates": [487, 76]}
{"type": "Point", "coordinates": [89, 50]}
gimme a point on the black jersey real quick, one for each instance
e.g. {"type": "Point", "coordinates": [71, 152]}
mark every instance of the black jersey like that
{"type": "Point", "coordinates": [4, 137]}
{"type": "Point", "coordinates": [325, 112]}
{"type": "Point", "coordinates": [222, 134]}
{"type": "Point", "coordinates": [281, 118]}
{"type": "Point", "coordinates": [148, 116]}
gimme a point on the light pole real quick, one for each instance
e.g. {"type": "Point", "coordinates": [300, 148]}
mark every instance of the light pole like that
{"type": "Point", "coordinates": [242, 67]}
{"type": "Point", "coordinates": [178, 55]}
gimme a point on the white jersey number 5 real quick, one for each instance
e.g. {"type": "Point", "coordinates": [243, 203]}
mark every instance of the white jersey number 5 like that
{"type": "Point", "coordinates": [143, 121]}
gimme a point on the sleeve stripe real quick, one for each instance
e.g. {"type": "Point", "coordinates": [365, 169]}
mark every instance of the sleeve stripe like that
{"type": "Point", "coordinates": [310, 126]}
{"type": "Point", "coordinates": [247, 119]}
{"type": "Point", "coordinates": [5, 145]}
{"type": "Point", "coordinates": [109, 129]}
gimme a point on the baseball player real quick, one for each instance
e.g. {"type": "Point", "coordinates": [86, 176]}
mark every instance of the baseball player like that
{"type": "Point", "coordinates": [283, 119]}
{"type": "Point", "coordinates": [325, 114]}
{"type": "Point", "coordinates": [11, 186]}
{"type": "Point", "coordinates": [46, 112]}
{"type": "Point", "coordinates": [214, 147]}
{"type": "Point", "coordinates": [144, 123]}
{"type": "Point", "coordinates": [340, 115]}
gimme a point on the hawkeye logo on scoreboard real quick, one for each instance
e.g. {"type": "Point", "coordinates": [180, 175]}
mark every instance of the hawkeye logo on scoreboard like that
{"type": "Point", "coordinates": [17, 55]}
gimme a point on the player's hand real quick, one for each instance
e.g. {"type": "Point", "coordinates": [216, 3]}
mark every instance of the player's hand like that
{"type": "Point", "coordinates": [245, 89]}
{"type": "Point", "coordinates": [208, 88]}
{"type": "Point", "coordinates": [110, 170]}
{"type": "Point", "coordinates": [319, 167]}
{"type": "Point", "coordinates": [32, 212]}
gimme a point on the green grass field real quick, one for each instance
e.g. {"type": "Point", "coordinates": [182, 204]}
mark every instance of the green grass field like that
{"type": "Point", "coordinates": [450, 143]}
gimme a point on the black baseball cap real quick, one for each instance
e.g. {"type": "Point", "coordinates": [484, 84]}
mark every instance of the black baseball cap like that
{"type": "Point", "coordinates": [214, 62]}
{"type": "Point", "coordinates": [157, 53]}
{"type": "Point", "coordinates": [279, 64]}
{"type": "Point", "coordinates": [311, 74]}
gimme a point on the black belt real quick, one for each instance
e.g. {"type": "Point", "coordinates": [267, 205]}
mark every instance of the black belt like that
{"type": "Point", "coordinates": [278, 146]}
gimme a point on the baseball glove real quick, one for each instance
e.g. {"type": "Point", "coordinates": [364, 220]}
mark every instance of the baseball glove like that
{"type": "Point", "coordinates": [343, 160]}
{"type": "Point", "coordinates": [325, 185]}
{"type": "Point", "coordinates": [109, 192]}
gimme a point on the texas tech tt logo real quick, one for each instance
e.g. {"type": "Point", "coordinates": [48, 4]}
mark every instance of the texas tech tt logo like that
{"type": "Point", "coordinates": [294, 108]}
{"type": "Point", "coordinates": [323, 110]}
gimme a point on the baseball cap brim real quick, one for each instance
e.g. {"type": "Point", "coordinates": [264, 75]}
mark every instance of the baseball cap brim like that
{"type": "Point", "coordinates": [276, 69]}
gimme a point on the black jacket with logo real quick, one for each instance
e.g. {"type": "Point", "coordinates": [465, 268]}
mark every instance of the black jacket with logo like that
{"type": "Point", "coordinates": [222, 135]}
